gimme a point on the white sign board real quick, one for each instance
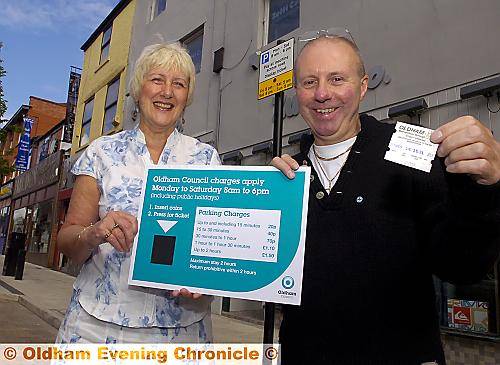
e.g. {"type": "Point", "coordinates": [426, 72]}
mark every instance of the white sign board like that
{"type": "Point", "coordinates": [276, 69]}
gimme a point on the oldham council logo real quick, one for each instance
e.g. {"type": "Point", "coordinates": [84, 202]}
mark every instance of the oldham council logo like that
{"type": "Point", "coordinates": [287, 282]}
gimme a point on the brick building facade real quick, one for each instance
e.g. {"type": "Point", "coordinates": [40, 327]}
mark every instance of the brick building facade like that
{"type": "Point", "coordinates": [45, 115]}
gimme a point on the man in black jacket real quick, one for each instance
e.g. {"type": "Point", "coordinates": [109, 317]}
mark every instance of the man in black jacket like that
{"type": "Point", "coordinates": [377, 231]}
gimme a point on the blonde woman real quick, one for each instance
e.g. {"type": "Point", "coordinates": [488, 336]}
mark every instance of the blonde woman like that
{"type": "Point", "coordinates": [101, 222]}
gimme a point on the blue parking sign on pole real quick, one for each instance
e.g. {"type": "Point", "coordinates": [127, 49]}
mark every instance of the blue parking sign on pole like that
{"type": "Point", "coordinates": [265, 58]}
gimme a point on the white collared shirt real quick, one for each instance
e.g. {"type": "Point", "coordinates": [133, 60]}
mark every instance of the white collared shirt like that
{"type": "Point", "coordinates": [118, 163]}
{"type": "Point", "coordinates": [331, 168]}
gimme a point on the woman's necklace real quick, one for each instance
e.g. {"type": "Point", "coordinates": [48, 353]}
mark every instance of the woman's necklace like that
{"type": "Point", "coordinates": [330, 181]}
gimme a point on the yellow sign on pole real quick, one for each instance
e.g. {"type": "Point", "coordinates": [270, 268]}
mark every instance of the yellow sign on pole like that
{"type": "Point", "coordinates": [275, 85]}
{"type": "Point", "coordinates": [276, 69]}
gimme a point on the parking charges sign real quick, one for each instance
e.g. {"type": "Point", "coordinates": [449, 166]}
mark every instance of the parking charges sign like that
{"type": "Point", "coordinates": [276, 69]}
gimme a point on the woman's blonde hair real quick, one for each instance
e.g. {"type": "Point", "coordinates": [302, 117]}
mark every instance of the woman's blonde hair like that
{"type": "Point", "coordinates": [169, 56]}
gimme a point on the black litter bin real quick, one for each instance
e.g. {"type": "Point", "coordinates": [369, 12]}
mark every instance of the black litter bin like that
{"type": "Point", "coordinates": [21, 257]}
{"type": "Point", "coordinates": [14, 245]}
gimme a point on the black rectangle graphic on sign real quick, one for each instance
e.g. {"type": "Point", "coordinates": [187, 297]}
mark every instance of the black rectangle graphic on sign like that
{"type": "Point", "coordinates": [163, 250]}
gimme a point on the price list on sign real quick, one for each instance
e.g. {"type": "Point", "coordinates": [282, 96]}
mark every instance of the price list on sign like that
{"type": "Point", "coordinates": [248, 234]}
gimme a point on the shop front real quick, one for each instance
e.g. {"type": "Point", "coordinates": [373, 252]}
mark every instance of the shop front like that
{"type": "Point", "coordinates": [34, 205]}
{"type": "Point", "coordinates": [5, 201]}
{"type": "Point", "coordinates": [66, 182]}
{"type": "Point", "coordinates": [470, 319]}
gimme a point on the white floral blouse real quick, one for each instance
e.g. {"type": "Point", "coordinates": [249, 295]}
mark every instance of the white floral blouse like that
{"type": "Point", "coordinates": [118, 164]}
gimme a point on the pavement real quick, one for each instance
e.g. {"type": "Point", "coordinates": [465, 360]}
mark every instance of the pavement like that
{"type": "Point", "coordinates": [46, 293]}
{"type": "Point", "coordinates": [20, 325]}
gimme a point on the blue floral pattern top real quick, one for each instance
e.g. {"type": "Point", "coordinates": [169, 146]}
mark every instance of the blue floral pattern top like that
{"type": "Point", "coordinates": [118, 164]}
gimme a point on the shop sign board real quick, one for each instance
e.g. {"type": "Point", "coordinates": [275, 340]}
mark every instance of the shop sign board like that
{"type": "Point", "coordinates": [6, 190]}
{"type": "Point", "coordinates": [39, 176]}
{"type": "Point", "coordinates": [24, 147]}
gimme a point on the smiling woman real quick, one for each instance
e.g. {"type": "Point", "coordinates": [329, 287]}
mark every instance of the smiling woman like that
{"type": "Point", "coordinates": [101, 221]}
{"type": "Point", "coordinates": [162, 100]}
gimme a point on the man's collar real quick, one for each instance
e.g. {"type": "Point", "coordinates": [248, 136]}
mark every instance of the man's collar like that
{"type": "Point", "coordinates": [367, 123]}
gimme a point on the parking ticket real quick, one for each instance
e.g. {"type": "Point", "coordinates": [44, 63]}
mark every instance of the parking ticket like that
{"type": "Point", "coordinates": [411, 146]}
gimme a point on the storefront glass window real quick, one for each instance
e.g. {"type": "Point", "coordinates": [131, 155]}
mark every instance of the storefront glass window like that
{"type": "Point", "coordinates": [40, 232]}
{"type": "Point", "coordinates": [470, 308]}
{"type": "Point", "coordinates": [4, 226]}
{"type": "Point", "coordinates": [19, 221]}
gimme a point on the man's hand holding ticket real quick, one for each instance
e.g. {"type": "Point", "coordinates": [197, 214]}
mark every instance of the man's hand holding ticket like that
{"type": "Point", "coordinates": [466, 145]}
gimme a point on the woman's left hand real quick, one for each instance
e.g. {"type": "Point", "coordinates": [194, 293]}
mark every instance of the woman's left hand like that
{"type": "Point", "coordinates": [117, 228]}
{"type": "Point", "coordinates": [186, 293]}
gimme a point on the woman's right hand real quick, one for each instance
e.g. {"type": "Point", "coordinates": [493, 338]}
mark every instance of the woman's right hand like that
{"type": "Point", "coordinates": [286, 164]}
{"type": "Point", "coordinates": [118, 228]}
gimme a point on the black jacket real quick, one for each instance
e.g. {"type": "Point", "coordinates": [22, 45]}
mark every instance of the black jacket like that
{"type": "Point", "coordinates": [371, 249]}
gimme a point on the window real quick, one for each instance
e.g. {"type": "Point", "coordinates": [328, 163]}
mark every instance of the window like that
{"type": "Point", "coordinates": [4, 226]}
{"type": "Point", "coordinates": [41, 227]}
{"type": "Point", "coordinates": [87, 118]}
{"type": "Point", "coordinates": [284, 17]}
{"type": "Point", "coordinates": [106, 40]}
{"type": "Point", "coordinates": [470, 308]}
{"type": "Point", "coordinates": [160, 6]}
{"type": "Point", "coordinates": [110, 106]}
{"type": "Point", "coordinates": [19, 221]}
{"type": "Point", "coordinates": [194, 44]}
{"type": "Point", "coordinates": [44, 150]}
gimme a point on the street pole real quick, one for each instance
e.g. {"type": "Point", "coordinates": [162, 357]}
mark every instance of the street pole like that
{"type": "Point", "coordinates": [277, 134]}
{"type": "Point", "coordinates": [282, 81]}
{"type": "Point", "coordinates": [278, 122]}
{"type": "Point", "coordinates": [279, 98]}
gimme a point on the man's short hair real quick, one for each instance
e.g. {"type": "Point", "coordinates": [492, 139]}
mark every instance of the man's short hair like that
{"type": "Point", "coordinates": [354, 47]}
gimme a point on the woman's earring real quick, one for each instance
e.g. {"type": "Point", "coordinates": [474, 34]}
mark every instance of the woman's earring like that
{"type": "Point", "coordinates": [180, 124]}
{"type": "Point", "coordinates": [135, 112]}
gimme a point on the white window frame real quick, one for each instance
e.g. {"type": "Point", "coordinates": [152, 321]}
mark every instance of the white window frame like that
{"type": "Point", "coordinates": [263, 30]}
